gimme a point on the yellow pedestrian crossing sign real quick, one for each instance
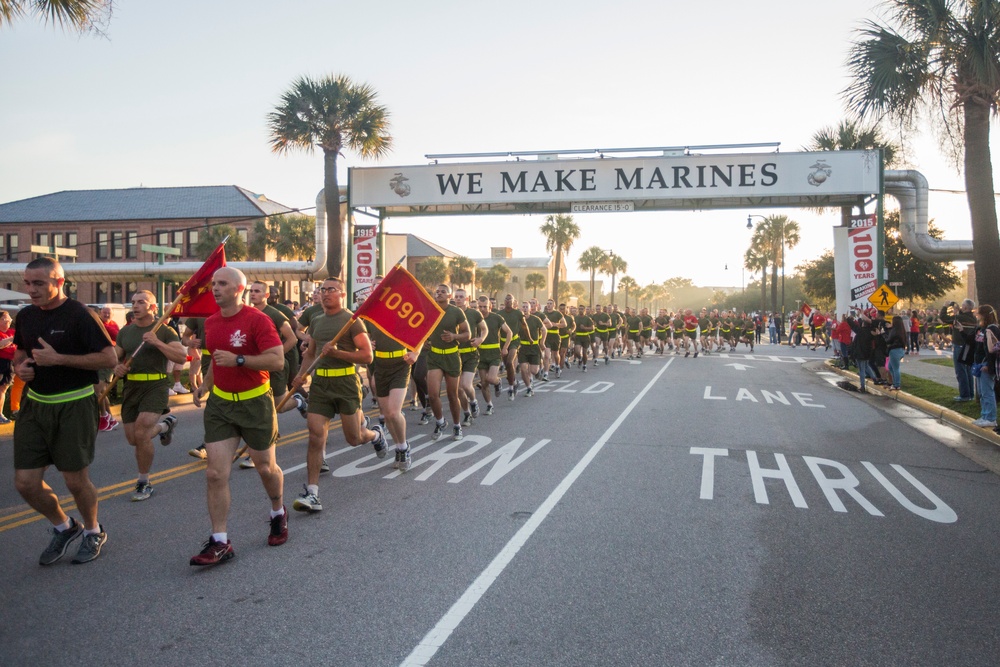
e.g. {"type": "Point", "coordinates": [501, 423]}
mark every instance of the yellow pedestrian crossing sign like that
{"type": "Point", "coordinates": [883, 298]}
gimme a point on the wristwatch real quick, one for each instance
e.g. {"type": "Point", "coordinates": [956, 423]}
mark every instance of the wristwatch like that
{"type": "Point", "coordinates": [240, 360]}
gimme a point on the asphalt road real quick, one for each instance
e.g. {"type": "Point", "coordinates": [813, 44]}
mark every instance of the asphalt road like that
{"type": "Point", "coordinates": [710, 511]}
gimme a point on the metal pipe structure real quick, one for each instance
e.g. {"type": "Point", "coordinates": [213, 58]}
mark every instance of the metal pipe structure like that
{"type": "Point", "coordinates": [96, 272]}
{"type": "Point", "coordinates": [909, 187]}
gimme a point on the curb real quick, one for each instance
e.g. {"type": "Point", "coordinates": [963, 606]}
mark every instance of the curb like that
{"type": "Point", "coordinates": [939, 412]}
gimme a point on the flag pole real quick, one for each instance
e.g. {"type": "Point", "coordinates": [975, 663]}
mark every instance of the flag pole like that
{"type": "Point", "coordinates": [319, 357]}
{"type": "Point", "coordinates": [167, 314]}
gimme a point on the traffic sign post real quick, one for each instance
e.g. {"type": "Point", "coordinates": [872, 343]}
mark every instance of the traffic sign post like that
{"type": "Point", "coordinates": [883, 298]}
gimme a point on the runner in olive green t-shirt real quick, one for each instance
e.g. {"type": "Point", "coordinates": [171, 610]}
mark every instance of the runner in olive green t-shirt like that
{"type": "Point", "coordinates": [445, 363]}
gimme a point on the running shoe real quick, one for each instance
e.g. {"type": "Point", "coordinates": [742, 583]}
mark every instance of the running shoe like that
{"type": "Point", "coordinates": [279, 529]}
{"type": "Point", "coordinates": [143, 490]}
{"type": "Point", "coordinates": [529, 392]}
{"type": "Point", "coordinates": [213, 552]}
{"type": "Point", "coordinates": [246, 462]}
{"type": "Point", "coordinates": [402, 463]}
{"type": "Point", "coordinates": [180, 389]}
{"type": "Point", "coordinates": [90, 547]}
{"type": "Point", "coordinates": [198, 452]}
{"type": "Point", "coordinates": [457, 432]}
{"type": "Point", "coordinates": [168, 436]}
{"type": "Point", "coordinates": [425, 419]}
{"type": "Point", "coordinates": [466, 419]}
{"type": "Point", "coordinates": [380, 441]}
{"type": "Point", "coordinates": [324, 467]}
{"type": "Point", "coordinates": [307, 502]}
{"type": "Point", "coordinates": [510, 393]}
{"type": "Point", "coordinates": [475, 409]}
{"type": "Point", "coordinates": [60, 542]}
{"type": "Point", "coordinates": [438, 430]}
{"type": "Point", "coordinates": [301, 404]}
{"type": "Point", "coordinates": [489, 409]}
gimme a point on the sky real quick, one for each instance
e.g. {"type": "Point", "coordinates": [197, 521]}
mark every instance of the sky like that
{"type": "Point", "coordinates": [178, 95]}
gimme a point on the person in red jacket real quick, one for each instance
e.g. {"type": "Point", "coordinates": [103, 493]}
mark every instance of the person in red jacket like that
{"type": "Point", "coordinates": [7, 349]}
{"type": "Point", "coordinates": [844, 334]}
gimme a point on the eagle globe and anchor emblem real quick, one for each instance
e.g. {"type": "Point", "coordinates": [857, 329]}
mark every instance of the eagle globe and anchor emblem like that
{"type": "Point", "coordinates": [821, 172]}
{"type": "Point", "coordinates": [398, 184]}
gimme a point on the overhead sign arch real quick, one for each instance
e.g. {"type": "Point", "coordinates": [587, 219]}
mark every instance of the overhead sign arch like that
{"type": "Point", "coordinates": [673, 180]}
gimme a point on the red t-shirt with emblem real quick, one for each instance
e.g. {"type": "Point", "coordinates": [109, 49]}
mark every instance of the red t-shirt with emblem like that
{"type": "Point", "coordinates": [249, 332]}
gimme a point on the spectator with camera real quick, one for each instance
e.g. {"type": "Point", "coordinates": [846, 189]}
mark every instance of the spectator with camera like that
{"type": "Point", "coordinates": [962, 322]}
{"type": "Point", "coordinates": [984, 367]}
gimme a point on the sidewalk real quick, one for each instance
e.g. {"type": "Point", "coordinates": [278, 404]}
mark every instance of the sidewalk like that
{"type": "Point", "coordinates": [941, 374]}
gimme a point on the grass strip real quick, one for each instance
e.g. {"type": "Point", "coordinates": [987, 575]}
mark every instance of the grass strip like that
{"type": "Point", "coordinates": [939, 394]}
{"type": "Point", "coordinates": [947, 363]}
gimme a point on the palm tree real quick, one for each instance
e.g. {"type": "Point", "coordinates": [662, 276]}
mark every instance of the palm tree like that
{"type": "Point", "coordinates": [332, 113]}
{"type": "Point", "coordinates": [533, 281]}
{"type": "Point", "coordinates": [940, 55]}
{"type": "Point", "coordinates": [80, 15]}
{"type": "Point", "coordinates": [494, 280]}
{"type": "Point", "coordinates": [771, 236]}
{"type": "Point", "coordinates": [614, 265]}
{"type": "Point", "coordinates": [850, 136]}
{"type": "Point", "coordinates": [290, 236]}
{"type": "Point", "coordinates": [463, 271]}
{"type": "Point", "coordinates": [560, 231]}
{"type": "Point", "coordinates": [211, 237]}
{"type": "Point", "coordinates": [592, 259]}
{"type": "Point", "coordinates": [757, 259]}
{"type": "Point", "coordinates": [627, 283]}
{"type": "Point", "coordinates": [431, 272]}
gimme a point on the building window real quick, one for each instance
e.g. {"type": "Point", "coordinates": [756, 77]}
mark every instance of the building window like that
{"type": "Point", "coordinates": [42, 239]}
{"type": "Point", "coordinates": [8, 247]}
{"type": "Point", "coordinates": [102, 293]}
{"type": "Point", "coordinates": [244, 234]}
{"type": "Point", "coordinates": [131, 245]}
{"type": "Point", "coordinates": [162, 237]}
{"type": "Point", "coordinates": [102, 245]}
{"type": "Point", "coordinates": [117, 245]}
{"type": "Point", "coordinates": [192, 243]}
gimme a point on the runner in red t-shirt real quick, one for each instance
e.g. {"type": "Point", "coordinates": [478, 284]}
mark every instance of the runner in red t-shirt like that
{"type": "Point", "coordinates": [245, 347]}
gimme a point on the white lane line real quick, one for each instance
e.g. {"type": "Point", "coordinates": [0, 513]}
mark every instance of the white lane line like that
{"type": "Point", "coordinates": [434, 639]}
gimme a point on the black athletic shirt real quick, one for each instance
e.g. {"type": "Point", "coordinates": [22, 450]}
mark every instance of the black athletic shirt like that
{"type": "Point", "coordinates": [71, 328]}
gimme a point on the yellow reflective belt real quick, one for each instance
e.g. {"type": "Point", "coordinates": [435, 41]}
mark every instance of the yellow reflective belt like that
{"type": "Point", "coordinates": [490, 346]}
{"type": "Point", "coordinates": [450, 350]}
{"type": "Point", "coordinates": [206, 353]}
{"type": "Point", "coordinates": [242, 395]}
{"type": "Point", "coordinates": [466, 350]}
{"type": "Point", "coordinates": [335, 372]}
{"type": "Point", "coordinates": [145, 376]}
{"type": "Point", "coordinates": [390, 355]}
{"type": "Point", "coordinates": [74, 395]}
{"type": "Point", "coordinates": [552, 331]}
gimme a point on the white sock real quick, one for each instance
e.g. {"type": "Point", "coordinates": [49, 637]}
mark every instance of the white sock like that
{"type": "Point", "coordinates": [313, 489]}
{"type": "Point", "coordinates": [66, 525]}
{"type": "Point", "coordinates": [220, 537]}
{"type": "Point", "coordinates": [402, 447]}
{"type": "Point", "coordinates": [275, 513]}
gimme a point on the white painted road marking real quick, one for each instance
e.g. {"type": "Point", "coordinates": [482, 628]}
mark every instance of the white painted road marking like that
{"type": "Point", "coordinates": [439, 634]}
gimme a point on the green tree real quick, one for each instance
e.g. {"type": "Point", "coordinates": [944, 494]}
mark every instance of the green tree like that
{"type": "Point", "coordinates": [494, 280]}
{"type": "Point", "coordinates": [627, 283]}
{"type": "Point", "coordinates": [290, 236]}
{"type": "Point", "coordinates": [818, 278]}
{"type": "Point", "coordinates": [79, 15]}
{"type": "Point", "coordinates": [614, 265]}
{"type": "Point", "coordinates": [432, 272]}
{"type": "Point", "coordinates": [942, 56]}
{"type": "Point", "coordinates": [534, 281]}
{"type": "Point", "coordinates": [332, 113]}
{"type": "Point", "coordinates": [592, 259]}
{"type": "Point", "coordinates": [211, 237]}
{"type": "Point", "coordinates": [463, 270]}
{"type": "Point", "coordinates": [560, 232]}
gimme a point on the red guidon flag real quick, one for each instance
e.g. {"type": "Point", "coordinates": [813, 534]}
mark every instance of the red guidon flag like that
{"type": "Point", "coordinates": [401, 308]}
{"type": "Point", "coordinates": [806, 309]}
{"type": "Point", "coordinates": [195, 296]}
